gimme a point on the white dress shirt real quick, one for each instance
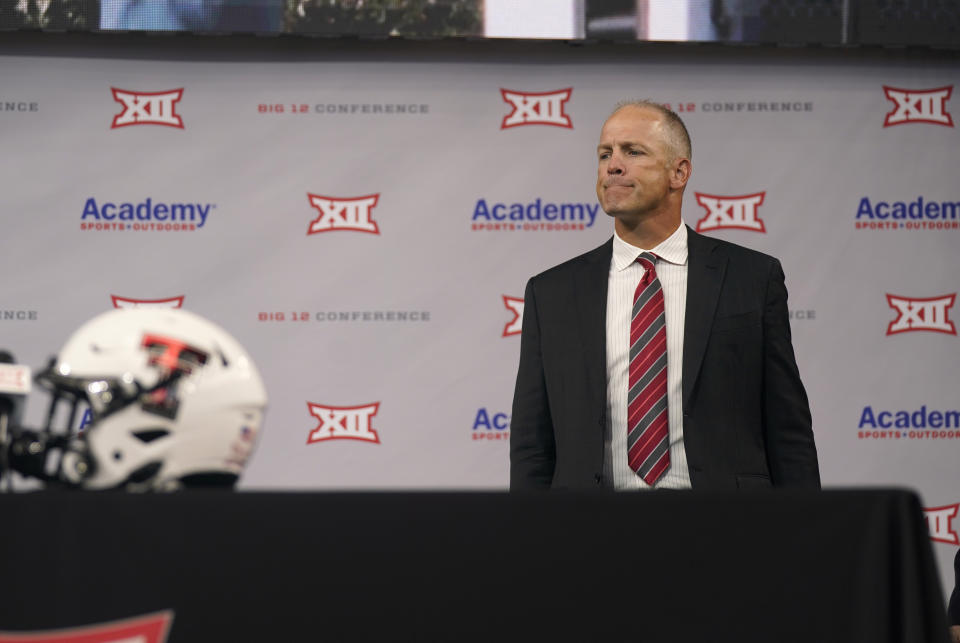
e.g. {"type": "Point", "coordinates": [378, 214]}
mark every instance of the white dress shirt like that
{"type": "Point", "coordinates": [625, 274]}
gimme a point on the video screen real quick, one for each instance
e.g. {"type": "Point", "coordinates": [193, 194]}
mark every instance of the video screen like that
{"type": "Point", "coordinates": [190, 15]}
{"type": "Point", "coordinates": [416, 18]}
{"type": "Point", "coordinates": [748, 21]}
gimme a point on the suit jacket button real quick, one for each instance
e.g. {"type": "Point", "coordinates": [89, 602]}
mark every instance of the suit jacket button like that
{"type": "Point", "coordinates": [598, 478]}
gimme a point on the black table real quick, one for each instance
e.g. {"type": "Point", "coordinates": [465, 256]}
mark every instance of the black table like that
{"type": "Point", "coordinates": [667, 566]}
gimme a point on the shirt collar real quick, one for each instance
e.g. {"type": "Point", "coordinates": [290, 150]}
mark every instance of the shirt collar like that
{"type": "Point", "coordinates": [673, 249]}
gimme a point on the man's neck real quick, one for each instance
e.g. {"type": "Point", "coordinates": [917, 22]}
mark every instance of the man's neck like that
{"type": "Point", "coordinates": [647, 233]}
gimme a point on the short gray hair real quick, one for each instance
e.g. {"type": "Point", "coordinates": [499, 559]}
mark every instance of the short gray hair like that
{"type": "Point", "coordinates": [679, 137]}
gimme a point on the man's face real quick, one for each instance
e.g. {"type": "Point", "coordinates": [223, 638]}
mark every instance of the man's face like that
{"type": "Point", "coordinates": [634, 162]}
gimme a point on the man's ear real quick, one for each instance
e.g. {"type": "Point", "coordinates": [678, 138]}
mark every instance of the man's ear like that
{"type": "Point", "coordinates": [680, 174]}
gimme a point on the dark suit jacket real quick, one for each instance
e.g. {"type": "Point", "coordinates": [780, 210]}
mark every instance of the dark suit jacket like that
{"type": "Point", "coordinates": [746, 420]}
{"type": "Point", "coordinates": [953, 608]}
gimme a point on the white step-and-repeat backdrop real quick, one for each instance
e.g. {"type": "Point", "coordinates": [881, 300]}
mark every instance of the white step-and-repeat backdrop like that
{"type": "Point", "coordinates": [365, 228]}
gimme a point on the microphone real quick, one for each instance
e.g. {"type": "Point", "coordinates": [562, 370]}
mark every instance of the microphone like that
{"type": "Point", "coordinates": [14, 387]}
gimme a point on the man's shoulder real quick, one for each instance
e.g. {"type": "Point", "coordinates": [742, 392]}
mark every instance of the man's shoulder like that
{"type": "Point", "coordinates": [703, 246]}
{"type": "Point", "coordinates": [597, 258]}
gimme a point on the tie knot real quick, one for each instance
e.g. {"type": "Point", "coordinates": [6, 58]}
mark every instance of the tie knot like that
{"type": "Point", "coordinates": [648, 260]}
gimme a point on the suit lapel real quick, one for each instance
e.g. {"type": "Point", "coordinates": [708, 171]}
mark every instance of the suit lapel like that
{"type": "Point", "coordinates": [590, 292]}
{"type": "Point", "coordinates": [706, 267]}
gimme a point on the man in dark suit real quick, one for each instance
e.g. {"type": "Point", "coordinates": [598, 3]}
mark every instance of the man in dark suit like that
{"type": "Point", "coordinates": [661, 359]}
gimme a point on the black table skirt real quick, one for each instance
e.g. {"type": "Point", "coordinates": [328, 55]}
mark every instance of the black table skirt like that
{"type": "Point", "coordinates": [668, 566]}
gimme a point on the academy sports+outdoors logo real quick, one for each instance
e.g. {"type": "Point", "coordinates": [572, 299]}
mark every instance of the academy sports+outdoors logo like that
{"type": "Point", "coordinates": [930, 314]}
{"type": "Point", "coordinates": [918, 106]}
{"type": "Point", "coordinates": [918, 214]}
{"type": "Point", "coordinates": [902, 424]}
{"type": "Point", "coordinates": [144, 216]}
{"type": "Point", "coordinates": [343, 423]}
{"type": "Point", "coordinates": [350, 213]}
{"type": "Point", "coordinates": [147, 108]}
{"type": "Point", "coordinates": [514, 305]}
{"type": "Point", "coordinates": [126, 302]}
{"type": "Point", "coordinates": [488, 425]}
{"type": "Point", "coordinates": [536, 215]}
{"type": "Point", "coordinates": [536, 108]}
{"type": "Point", "coordinates": [939, 523]}
{"type": "Point", "coordinates": [151, 628]}
{"type": "Point", "coordinates": [731, 212]}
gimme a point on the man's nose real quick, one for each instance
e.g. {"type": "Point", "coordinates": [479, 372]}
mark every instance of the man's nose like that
{"type": "Point", "coordinates": [614, 166]}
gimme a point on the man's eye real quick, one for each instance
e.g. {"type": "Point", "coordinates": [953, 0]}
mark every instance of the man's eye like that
{"type": "Point", "coordinates": [604, 156]}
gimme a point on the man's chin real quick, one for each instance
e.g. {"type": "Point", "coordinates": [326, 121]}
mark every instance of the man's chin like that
{"type": "Point", "coordinates": [629, 217]}
{"type": "Point", "coordinates": [616, 210]}
{"type": "Point", "coordinates": [613, 209]}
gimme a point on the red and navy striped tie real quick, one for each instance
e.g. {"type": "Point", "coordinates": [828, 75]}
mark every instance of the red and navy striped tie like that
{"type": "Point", "coordinates": [648, 444]}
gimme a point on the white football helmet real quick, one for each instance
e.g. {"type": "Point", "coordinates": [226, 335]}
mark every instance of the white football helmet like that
{"type": "Point", "coordinates": [174, 401]}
